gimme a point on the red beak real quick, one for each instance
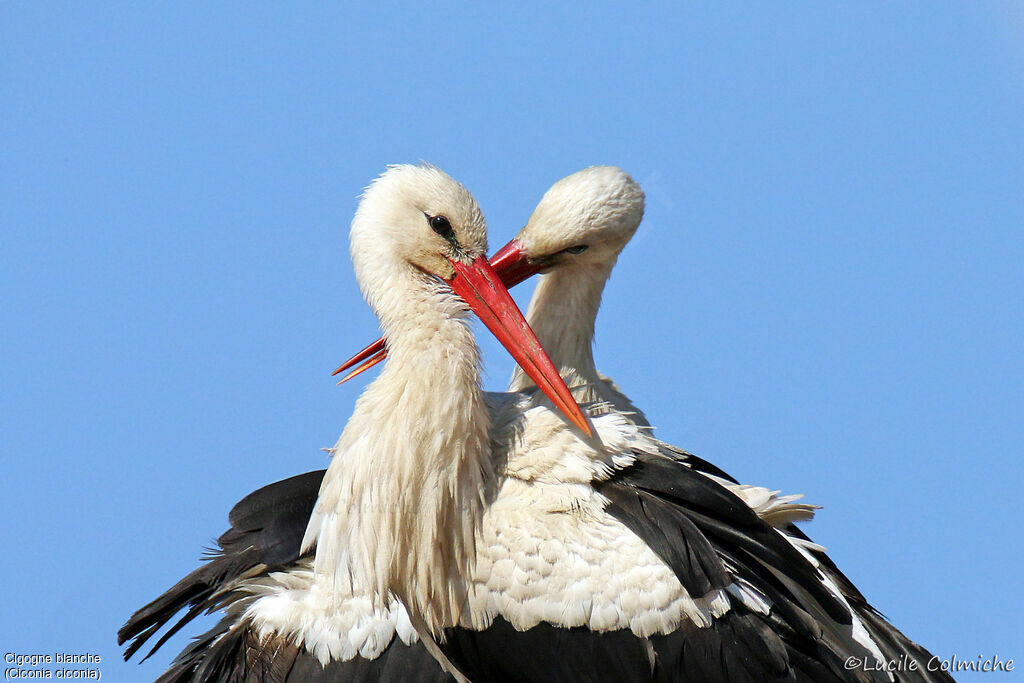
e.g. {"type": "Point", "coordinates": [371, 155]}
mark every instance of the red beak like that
{"type": "Point", "coordinates": [483, 287]}
{"type": "Point", "coordinates": [509, 263]}
{"type": "Point", "coordinates": [375, 349]}
{"type": "Point", "coordinates": [376, 352]}
{"type": "Point", "coordinates": [480, 287]}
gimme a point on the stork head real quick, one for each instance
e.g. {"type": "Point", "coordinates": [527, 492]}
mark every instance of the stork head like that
{"type": "Point", "coordinates": [418, 221]}
{"type": "Point", "coordinates": [418, 216]}
{"type": "Point", "coordinates": [585, 218]}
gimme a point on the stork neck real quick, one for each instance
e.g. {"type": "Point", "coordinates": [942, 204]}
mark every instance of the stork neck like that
{"type": "Point", "coordinates": [403, 497]}
{"type": "Point", "coordinates": [562, 313]}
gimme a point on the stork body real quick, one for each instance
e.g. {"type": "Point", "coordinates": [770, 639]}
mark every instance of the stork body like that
{"type": "Point", "coordinates": [722, 586]}
{"type": "Point", "coordinates": [731, 589]}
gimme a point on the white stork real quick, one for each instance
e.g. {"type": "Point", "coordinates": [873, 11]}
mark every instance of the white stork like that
{"type": "Point", "coordinates": [400, 505]}
{"type": "Point", "coordinates": [617, 558]}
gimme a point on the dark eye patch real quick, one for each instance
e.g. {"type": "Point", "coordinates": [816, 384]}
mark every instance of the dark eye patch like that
{"type": "Point", "coordinates": [578, 249]}
{"type": "Point", "coordinates": [440, 225]}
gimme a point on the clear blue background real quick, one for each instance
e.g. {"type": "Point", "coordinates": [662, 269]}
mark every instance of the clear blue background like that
{"type": "Point", "coordinates": [826, 295]}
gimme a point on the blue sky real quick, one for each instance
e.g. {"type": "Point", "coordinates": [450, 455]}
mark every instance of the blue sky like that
{"type": "Point", "coordinates": [825, 296]}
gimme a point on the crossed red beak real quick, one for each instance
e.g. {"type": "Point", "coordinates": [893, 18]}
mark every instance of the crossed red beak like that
{"type": "Point", "coordinates": [482, 286]}
{"type": "Point", "coordinates": [511, 265]}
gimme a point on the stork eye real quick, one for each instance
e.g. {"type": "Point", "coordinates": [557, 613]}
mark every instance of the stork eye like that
{"type": "Point", "coordinates": [578, 249]}
{"type": "Point", "coordinates": [440, 225]}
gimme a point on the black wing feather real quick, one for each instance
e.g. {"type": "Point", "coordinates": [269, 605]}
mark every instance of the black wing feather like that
{"type": "Point", "coordinates": [266, 533]}
{"type": "Point", "coordinates": [724, 519]}
{"type": "Point", "coordinates": [544, 653]}
{"type": "Point", "coordinates": [891, 641]}
{"type": "Point", "coordinates": [672, 536]}
{"type": "Point", "coordinates": [266, 530]}
{"type": "Point", "coordinates": [273, 519]}
{"type": "Point", "coordinates": [757, 551]}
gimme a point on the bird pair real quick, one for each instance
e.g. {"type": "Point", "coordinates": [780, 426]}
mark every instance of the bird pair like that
{"type": "Point", "coordinates": [470, 535]}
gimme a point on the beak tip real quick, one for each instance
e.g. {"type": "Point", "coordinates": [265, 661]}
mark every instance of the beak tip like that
{"type": "Point", "coordinates": [580, 420]}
